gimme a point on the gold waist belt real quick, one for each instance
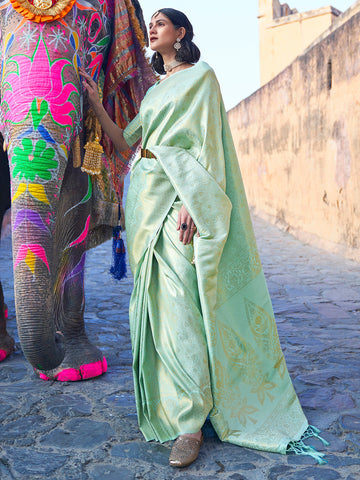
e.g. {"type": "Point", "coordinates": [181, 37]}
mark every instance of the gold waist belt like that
{"type": "Point", "coordinates": [145, 153]}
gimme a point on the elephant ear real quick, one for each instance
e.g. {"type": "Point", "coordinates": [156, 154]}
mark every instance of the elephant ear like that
{"type": "Point", "coordinates": [128, 76]}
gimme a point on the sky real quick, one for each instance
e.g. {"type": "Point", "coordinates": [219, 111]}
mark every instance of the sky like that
{"type": "Point", "coordinates": [226, 31]}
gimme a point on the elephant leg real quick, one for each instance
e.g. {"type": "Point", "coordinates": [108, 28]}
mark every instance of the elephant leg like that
{"type": "Point", "coordinates": [82, 359]}
{"type": "Point", "coordinates": [6, 342]}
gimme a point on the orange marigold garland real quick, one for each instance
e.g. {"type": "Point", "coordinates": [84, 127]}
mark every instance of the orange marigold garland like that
{"type": "Point", "coordinates": [43, 10]}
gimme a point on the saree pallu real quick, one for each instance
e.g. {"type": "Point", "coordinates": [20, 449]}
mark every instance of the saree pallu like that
{"type": "Point", "coordinates": [204, 337]}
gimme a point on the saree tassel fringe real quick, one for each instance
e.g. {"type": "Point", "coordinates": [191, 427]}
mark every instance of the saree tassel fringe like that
{"type": "Point", "coordinates": [118, 268]}
{"type": "Point", "coordinates": [299, 448]}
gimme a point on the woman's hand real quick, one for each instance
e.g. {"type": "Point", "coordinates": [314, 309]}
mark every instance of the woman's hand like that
{"type": "Point", "coordinates": [184, 219]}
{"type": "Point", "coordinates": [110, 128]}
{"type": "Point", "coordinates": [92, 90]}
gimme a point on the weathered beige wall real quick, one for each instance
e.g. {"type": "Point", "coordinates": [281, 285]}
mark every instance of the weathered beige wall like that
{"type": "Point", "coordinates": [298, 143]}
{"type": "Point", "coordinates": [283, 38]}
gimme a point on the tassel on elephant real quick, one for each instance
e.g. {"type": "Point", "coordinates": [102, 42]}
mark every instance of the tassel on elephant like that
{"type": "Point", "coordinates": [43, 112]}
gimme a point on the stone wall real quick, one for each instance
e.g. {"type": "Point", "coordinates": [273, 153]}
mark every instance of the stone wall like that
{"type": "Point", "coordinates": [298, 143]}
{"type": "Point", "coordinates": [285, 33]}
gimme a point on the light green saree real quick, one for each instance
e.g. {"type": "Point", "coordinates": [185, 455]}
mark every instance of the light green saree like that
{"type": "Point", "coordinates": [204, 336]}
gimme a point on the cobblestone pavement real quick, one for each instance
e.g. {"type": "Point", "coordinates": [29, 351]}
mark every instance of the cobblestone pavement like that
{"type": "Point", "coordinates": [88, 430]}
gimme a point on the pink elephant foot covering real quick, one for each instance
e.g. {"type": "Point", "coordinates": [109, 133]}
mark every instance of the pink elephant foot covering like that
{"type": "Point", "coordinates": [3, 355]}
{"type": "Point", "coordinates": [83, 373]}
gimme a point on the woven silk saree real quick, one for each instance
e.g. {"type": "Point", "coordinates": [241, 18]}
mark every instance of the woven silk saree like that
{"type": "Point", "coordinates": [203, 332]}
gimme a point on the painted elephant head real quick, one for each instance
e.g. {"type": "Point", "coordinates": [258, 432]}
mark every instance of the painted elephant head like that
{"type": "Point", "coordinates": [43, 111]}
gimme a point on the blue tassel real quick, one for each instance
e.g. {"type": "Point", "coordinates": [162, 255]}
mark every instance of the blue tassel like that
{"type": "Point", "coordinates": [118, 268]}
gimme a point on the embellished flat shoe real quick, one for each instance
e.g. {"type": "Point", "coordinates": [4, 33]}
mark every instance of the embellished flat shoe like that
{"type": "Point", "coordinates": [185, 451]}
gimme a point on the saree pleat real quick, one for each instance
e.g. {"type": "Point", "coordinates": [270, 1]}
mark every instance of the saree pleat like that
{"type": "Point", "coordinates": [204, 337]}
{"type": "Point", "coordinates": [171, 363]}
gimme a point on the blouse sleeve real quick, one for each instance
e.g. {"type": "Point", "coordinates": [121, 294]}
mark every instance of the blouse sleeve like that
{"type": "Point", "coordinates": [133, 131]}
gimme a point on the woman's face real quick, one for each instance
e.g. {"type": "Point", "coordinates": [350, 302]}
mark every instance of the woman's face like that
{"type": "Point", "coordinates": [163, 34]}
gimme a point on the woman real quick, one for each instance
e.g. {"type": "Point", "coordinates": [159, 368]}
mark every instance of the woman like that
{"type": "Point", "coordinates": [203, 333]}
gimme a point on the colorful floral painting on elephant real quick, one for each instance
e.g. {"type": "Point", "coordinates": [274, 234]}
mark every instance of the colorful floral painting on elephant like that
{"type": "Point", "coordinates": [57, 209]}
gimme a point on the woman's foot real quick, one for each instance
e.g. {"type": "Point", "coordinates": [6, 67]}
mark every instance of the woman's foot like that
{"type": "Point", "coordinates": [186, 449]}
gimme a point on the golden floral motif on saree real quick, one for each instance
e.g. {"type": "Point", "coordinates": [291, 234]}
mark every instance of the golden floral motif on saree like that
{"type": "Point", "coordinates": [244, 357]}
{"type": "Point", "coordinates": [40, 11]}
{"type": "Point", "coordinates": [240, 353]}
{"type": "Point", "coordinates": [243, 411]}
{"type": "Point", "coordinates": [262, 390]}
{"type": "Point", "coordinates": [265, 333]}
{"type": "Point", "coordinates": [239, 273]}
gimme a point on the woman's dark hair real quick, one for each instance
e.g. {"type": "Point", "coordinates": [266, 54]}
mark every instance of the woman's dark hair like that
{"type": "Point", "coordinates": [188, 52]}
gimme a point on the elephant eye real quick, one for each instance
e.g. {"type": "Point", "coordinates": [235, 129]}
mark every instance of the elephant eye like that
{"type": "Point", "coordinates": [94, 28]}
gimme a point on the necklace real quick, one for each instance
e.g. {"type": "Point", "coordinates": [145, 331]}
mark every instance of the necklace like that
{"type": "Point", "coordinates": [170, 66]}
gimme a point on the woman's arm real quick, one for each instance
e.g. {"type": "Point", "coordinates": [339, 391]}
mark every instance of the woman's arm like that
{"type": "Point", "coordinates": [110, 128]}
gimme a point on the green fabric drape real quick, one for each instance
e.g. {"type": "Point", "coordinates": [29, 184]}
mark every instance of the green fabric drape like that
{"type": "Point", "coordinates": [204, 336]}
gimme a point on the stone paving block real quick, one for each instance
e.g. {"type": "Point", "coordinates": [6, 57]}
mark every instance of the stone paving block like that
{"type": "Point", "coordinates": [110, 472]}
{"type": "Point", "coordinates": [63, 405]}
{"type": "Point", "coordinates": [203, 476]}
{"type": "Point", "coordinates": [288, 309]}
{"type": "Point", "coordinates": [336, 444]}
{"type": "Point", "coordinates": [68, 472]}
{"type": "Point", "coordinates": [310, 342]}
{"type": "Point", "coordinates": [5, 410]}
{"type": "Point", "coordinates": [342, 293]}
{"type": "Point", "coordinates": [312, 473]}
{"type": "Point", "coordinates": [350, 423]}
{"type": "Point", "coordinates": [237, 476]}
{"type": "Point", "coordinates": [4, 469]}
{"type": "Point", "coordinates": [293, 460]}
{"type": "Point", "coordinates": [278, 471]}
{"type": "Point", "coordinates": [79, 433]}
{"type": "Point", "coordinates": [327, 376]}
{"type": "Point", "coordinates": [341, 461]}
{"type": "Point", "coordinates": [330, 311]}
{"type": "Point", "coordinates": [229, 453]}
{"type": "Point", "coordinates": [23, 427]}
{"type": "Point", "coordinates": [13, 372]}
{"type": "Point", "coordinates": [302, 291]}
{"type": "Point", "coordinates": [327, 399]}
{"type": "Point", "coordinates": [30, 462]}
{"type": "Point", "coordinates": [143, 451]}
{"type": "Point", "coordinates": [350, 306]}
{"type": "Point", "coordinates": [243, 466]}
{"type": "Point", "coordinates": [121, 400]}
{"type": "Point", "coordinates": [353, 441]}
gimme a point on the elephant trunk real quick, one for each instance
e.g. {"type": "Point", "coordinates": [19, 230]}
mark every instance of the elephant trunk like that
{"type": "Point", "coordinates": [42, 348]}
{"type": "Point", "coordinates": [35, 198]}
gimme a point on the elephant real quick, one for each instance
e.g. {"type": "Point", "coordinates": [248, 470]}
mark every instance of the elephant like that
{"type": "Point", "coordinates": [58, 209]}
{"type": "Point", "coordinates": [6, 342]}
